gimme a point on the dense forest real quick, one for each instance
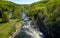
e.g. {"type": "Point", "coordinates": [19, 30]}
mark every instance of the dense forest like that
{"type": "Point", "coordinates": [10, 10]}
{"type": "Point", "coordinates": [46, 12]}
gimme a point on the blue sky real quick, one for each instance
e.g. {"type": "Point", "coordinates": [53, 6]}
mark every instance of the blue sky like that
{"type": "Point", "coordinates": [24, 1]}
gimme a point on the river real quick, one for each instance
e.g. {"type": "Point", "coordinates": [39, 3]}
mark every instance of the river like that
{"type": "Point", "coordinates": [29, 31]}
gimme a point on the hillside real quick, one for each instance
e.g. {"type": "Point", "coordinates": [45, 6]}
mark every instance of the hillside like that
{"type": "Point", "coordinates": [10, 10]}
{"type": "Point", "coordinates": [48, 16]}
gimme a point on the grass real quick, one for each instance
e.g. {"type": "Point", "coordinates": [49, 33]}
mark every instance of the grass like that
{"type": "Point", "coordinates": [6, 29]}
{"type": "Point", "coordinates": [0, 19]}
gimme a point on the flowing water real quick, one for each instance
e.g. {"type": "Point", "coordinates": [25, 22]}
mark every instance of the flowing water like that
{"type": "Point", "coordinates": [29, 31]}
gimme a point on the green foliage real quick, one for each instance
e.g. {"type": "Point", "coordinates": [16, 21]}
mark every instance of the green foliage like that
{"type": "Point", "coordinates": [7, 8]}
{"type": "Point", "coordinates": [48, 12]}
{"type": "Point", "coordinates": [52, 11]}
{"type": "Point", "coordinates": [5, 17]}
{"type": "Point", "coordinates": [48, 9]}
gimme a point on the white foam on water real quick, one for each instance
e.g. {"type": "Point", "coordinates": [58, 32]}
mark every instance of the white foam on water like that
{"type": "Point", "coordinates": [30, 31]}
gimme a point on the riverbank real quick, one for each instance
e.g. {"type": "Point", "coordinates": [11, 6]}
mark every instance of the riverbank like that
{"type": "Point", "coordinates": [7, 29]}
{"type": "Point", "coordinates": [18, 27]}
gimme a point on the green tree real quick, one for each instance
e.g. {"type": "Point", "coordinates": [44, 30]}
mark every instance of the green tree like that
{"type": "Point", "coordinates": [5, 17]}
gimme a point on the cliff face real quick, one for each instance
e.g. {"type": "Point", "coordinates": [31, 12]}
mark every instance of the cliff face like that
{"type": "Point", "coordinates": [50, 31]}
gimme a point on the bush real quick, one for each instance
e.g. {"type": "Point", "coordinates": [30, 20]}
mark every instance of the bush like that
{"type": "Point", "coordinates": [5, 17]}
